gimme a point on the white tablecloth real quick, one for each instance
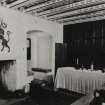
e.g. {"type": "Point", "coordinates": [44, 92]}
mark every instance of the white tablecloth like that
{"type": "Point", "coordinates": [79, 81]}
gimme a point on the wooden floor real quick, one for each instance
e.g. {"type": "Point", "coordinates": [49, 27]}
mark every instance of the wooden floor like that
{"type": "Point", "coordinates": [48, 96]}
{"type": "Point", "coordinates": [11, 101]}
{"type": "Point", "coordinates": [40, 97]}
{"type": "Point", "coordinates": [8, 98]}
{"type": "Point", "coordinates": [85, 100]}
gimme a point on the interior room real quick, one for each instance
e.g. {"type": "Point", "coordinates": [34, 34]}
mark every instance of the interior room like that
{"type": "Point", "coordinates": [52, 52]}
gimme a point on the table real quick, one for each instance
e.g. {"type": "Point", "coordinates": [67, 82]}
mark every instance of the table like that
{"type": "Point", "coordinates": [81, 81]}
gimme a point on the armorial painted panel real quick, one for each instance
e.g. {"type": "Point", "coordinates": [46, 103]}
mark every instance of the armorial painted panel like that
{"type": "Point", "coordinates": [4, 35]}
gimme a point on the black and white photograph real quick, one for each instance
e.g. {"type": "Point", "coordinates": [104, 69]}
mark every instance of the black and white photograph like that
{"type": "Point", "coordinates": [52, 52]}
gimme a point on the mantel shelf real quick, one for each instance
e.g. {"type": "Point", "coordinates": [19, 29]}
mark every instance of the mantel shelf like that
{"type": "Point", "coordinates": [41, 70]}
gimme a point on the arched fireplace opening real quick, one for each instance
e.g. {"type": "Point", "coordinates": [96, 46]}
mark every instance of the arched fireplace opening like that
{"type": "Point", "coordinates": [7, 75]}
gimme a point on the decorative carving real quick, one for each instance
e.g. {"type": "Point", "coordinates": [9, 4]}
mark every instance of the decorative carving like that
{"type": "Point", "coordinates": [4, 35]}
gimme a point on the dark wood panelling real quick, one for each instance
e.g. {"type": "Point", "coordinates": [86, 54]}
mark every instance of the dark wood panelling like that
{"type": "Point", "coordinates": [86, 41]}
{"type": "Point", "coordinates": [60, 55]}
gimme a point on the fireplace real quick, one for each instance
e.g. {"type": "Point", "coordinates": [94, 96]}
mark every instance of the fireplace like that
{"type": "Point", "coordinates": [8, 74]}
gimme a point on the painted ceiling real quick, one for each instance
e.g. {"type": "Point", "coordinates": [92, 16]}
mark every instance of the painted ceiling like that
{"type": "Point", "coordinates": [61, 11]}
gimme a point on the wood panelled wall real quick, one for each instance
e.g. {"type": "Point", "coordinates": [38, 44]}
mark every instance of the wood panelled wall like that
{"type": "Point", "coordinates": [86, 42]}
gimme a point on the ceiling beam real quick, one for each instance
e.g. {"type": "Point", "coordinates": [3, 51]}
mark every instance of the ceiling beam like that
{"type": "Point", "coordinates": [64, 10]}
{"type": "Point", "coordinates": [85, 16]}
{"type": "Point", "coordinates": [44, 5]}
{"type": "Point", "coordinates": [77, 12]}
{"type": "Point", "coordinates": [85, 20]}
{"type": "Point", "coordinates": [70, 7]}
{"type": "Point", "coordinates": [16, 3]}
{"type": "Point", "coordinates": [27, 3]}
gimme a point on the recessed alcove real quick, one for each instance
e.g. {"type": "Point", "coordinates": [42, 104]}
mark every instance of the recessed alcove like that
{"type": "Point", "coordinates": [39, 51]}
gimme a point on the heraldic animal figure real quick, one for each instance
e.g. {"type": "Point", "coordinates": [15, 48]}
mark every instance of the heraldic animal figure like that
{"type": "Point", "coordinates": [4, 40]}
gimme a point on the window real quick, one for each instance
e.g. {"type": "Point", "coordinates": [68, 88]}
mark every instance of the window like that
{"type": "Point", "coordinates": [28, 49]}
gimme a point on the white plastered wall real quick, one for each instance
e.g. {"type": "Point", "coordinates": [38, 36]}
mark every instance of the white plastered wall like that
{"type": "Point", "coordinates": [19, 24]}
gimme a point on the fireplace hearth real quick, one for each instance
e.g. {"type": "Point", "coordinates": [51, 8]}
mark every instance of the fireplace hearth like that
{"type": "Point", "coordinates": [8, 74]}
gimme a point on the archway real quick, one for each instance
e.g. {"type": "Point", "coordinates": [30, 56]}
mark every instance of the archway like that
{"type": "Point", "coordinates": [40, 45]}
